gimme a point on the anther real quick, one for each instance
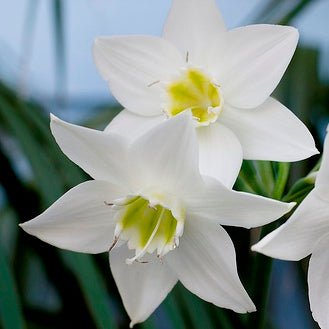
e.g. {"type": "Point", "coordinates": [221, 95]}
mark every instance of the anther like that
{"type": "Point", "coordinates": [186, 58]}
{"type": "Point", "coordinates": [153, 83]}
{"type": "Point", "coordinates": [108, 203]}
{"type": "Point", "coordinates": [150, 205]}
{"type": "Point", "coordinates": [114, 243]}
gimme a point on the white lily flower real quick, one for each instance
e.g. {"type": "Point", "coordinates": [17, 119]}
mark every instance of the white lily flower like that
{"type": "Point", "coordinates": [224, 77]}
{"type": "Point", "coordinates": [160, 219]}
{"type": "Point", "coordinates": [307, 232]}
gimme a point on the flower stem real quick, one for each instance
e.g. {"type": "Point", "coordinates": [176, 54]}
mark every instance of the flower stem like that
{"type": "Point", "coordinates": [263, 265]}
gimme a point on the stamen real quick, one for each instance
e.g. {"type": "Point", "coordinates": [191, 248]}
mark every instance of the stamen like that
{"type": "Point", "coordinates": [141, 261]}
{"type": "Point", "coordinates": [108, 203]}
{"type": "Point", "coordinates": [143, 251]}
{"type": "Point", "coordinates": [186, 58]}
{"type": "Point", "coordinates": [151, 205]}
{"type": "Point", "coordinates": [153, 83]}
{"type": "Point", "coordinates": [116, 238]}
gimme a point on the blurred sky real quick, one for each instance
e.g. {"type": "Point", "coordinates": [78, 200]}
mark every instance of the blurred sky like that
{"type": "Point", "coordinates": [27, 44]}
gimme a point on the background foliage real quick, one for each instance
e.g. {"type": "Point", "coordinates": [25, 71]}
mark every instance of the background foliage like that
{"type": "Point", "coordinates": [44, 287]}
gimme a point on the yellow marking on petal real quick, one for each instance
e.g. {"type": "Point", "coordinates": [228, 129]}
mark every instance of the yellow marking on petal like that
{"type": "Point", "coordinates": [195, 91]}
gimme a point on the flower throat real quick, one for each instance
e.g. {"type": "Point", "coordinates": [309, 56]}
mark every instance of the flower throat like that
{"type": "Point", "coordinates": [195, 91]}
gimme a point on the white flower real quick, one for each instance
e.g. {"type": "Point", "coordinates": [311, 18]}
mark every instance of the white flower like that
{"type": "Point", "coordinates": [307, 232]}
{"type": "Point", "coordinates": [224, 77]}
{"type": "Point", "coordinates": [150, 194]}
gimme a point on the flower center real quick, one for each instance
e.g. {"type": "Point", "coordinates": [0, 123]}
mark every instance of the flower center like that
{"type": "Point", "coordinates": [147, 226]}
{"type": "Point", "coordinates": [195, 91]}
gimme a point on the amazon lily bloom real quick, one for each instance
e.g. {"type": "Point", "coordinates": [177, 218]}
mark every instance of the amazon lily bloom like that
{"type": "Point", "coordinates": [307, 232]}
{"type": "Point", "coordinates": [224, 77]}
{"type": "Point", "coordinates": [160, 219]}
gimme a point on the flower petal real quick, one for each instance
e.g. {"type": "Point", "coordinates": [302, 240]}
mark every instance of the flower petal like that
{"type": "Point", "coordinates": [142, 286]}
{"type": "Point", "coordinates": [101, 155]}
{"type": "Point", "coordinates": [192, 25]}
{"type": "Point", "coordinates": [318, 273]}
{"type": "Point", "coordinates": [251, 60]}
{"type": "Point", "coordinates": [296, 238]}
{"type": "Point", "coordinates": [167, 155]}
{"type": "Point", "coordinates": [132, 125]}
{"type": "Point", "coordinates": [322, 177]}
{"type": "Point", "coordinates": [270, 132]}
{"type": "Point", "coordinates": [136, 68]}
{"type": "Point", "coordinates": [220, 153]}
{"type": "Point", "coordinates": [79, 220]}
{"type": "Point", "coordinates": [205, 264]}
{"type": "Point", "coordinates": [232, 208]}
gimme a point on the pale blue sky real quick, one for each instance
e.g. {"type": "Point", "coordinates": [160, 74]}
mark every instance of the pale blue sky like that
{"type": "Point", "coordinates": [86, 19]}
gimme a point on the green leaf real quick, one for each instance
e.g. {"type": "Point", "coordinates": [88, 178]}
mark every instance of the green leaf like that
{"type": "Point", "coordinates": [90, 281]}
{"type": "Point", "coordinates": [11, 316]}
{"type": "Point", "coordinates": [46, 178]}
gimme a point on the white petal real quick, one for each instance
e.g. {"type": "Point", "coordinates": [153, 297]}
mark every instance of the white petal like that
{"type": "Point", "coordinates": [142, 286]}
{"type": "Point", "coordinates": [79, 220]}
{"type": "Point", "coordinates": [318, 273]}
{"type": "Point", "coordinates": [167, 155]}
{"type": "Point", "coordinates": [322, 177]}
{"type": "Point", "coordinates": [233, 208]}
{"type": "Point", "coordinates": [220, 153]}
{"type": "Point", "coordinates": [131, 64]}
{"type": "Point", "coordinates": [192, 26]}
{"type": "Point", "coordinates": [251, 60]}
{"type": "Point", "coordinates": [296, 238]}
{"type": "Point", "coordinates": [270, 132]}
{"type": "Point", "coordinates": [101, 155]}
{"type": "Point", "coordinates": [132, 125]}
{"type": "Point", "coordinates": [205, 263]}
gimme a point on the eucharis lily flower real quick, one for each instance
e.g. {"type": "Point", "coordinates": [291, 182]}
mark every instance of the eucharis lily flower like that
{"type": "Point", "coordinates": [160, 219]}
{"type": "Point", "coordinates": [307, 232]}
{"type": "Point", "coordinates": [224, 77]}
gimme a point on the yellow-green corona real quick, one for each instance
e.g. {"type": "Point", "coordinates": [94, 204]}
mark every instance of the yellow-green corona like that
{"type": "Point", "coordinates": [147, 226]}
{"type": "Point", "coordinates": [195, 91]}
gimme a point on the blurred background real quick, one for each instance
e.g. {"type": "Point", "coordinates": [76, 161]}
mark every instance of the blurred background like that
{"type": "Point", "coordinates": [46, 66]}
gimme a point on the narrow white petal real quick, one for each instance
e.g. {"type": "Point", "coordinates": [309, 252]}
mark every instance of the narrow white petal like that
{"type": "Point", "coordinates": [251, 60]}
{"type": "Point", "coordinates": [136, 68]}
{"type": "Point", "coordinates": [132, 125]}
{"type": "Point", "coordinates": [79, 220]}
{"type": "Point", "coordinates": [296, 238]}
{"type": "Point", "coordinates": [322, 177]}
{"type": "Point", "coordinates": [142, 286]}
{"type": "Point", "coordinates": [220, 153]}
{"type": "Point", "coordinates": [167, 155]}
{"type": "Point", "coordinates": [270, 132]}
{"type": "Point", "coordinates": [232, 208]}
{"type": "Point", "coordinates": [318, 273]}
{"type": "Point", "coordinates": [101, 155]}
{"type": "Point", "coordinates": [205, 264]}
{"type": "Point", "coordinates": [192, 25]}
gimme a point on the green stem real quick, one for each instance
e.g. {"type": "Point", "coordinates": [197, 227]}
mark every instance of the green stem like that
{"type": "Point", "coordinates": [265, 172]}
{"type": "Point", "coordinates": [262, 264]}
{"type": "Point", "coordinates": [260, 284]}
{"type": "Point", "coordinates": [250, 175]}
{"type": "Point", "coordinates": [281, 181]}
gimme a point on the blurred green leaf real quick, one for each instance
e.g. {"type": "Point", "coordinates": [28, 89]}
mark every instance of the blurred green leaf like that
{"type": "Point", "coordinates": [91, 284]}
{"type": "Point", "coordinates": [11, 316]}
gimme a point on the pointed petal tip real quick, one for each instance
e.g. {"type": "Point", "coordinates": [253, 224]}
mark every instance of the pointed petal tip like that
{"type": "Point", "coordinates": [291, 205]}
{"type": "Point", "coordinates": [255, 247]}
{"type": "Point", "coordinates": [259, 246]}
{"type": "Point", "coordinates": [252, 308]}
{"type": "Point", "coordinates": [53, 117]}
